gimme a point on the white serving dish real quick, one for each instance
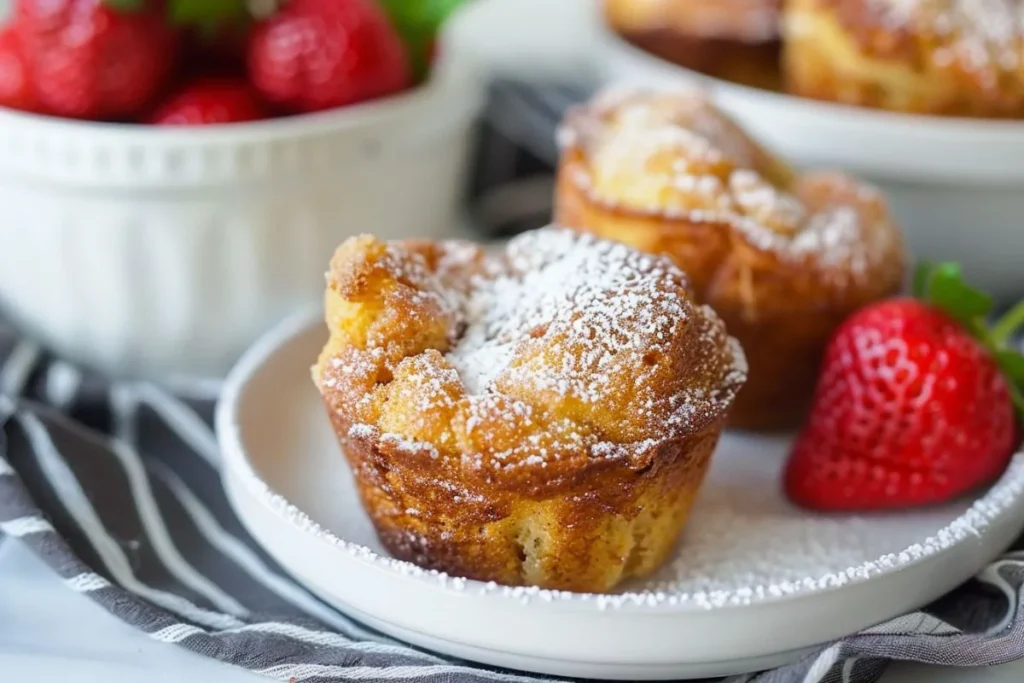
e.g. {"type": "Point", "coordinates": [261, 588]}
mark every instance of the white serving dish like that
{"type": "Point", "coordinates": [165, 252]}
{"type": "Point", "coordinates": [755, 584]}
{"type": "Point", "coordinates": [956, 185]}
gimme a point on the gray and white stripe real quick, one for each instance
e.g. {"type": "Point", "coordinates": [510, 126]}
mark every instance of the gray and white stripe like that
{"type": "Point", "coordinates": [193, 578]}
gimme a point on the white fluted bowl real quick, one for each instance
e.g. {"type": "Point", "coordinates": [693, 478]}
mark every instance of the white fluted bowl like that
{"type": "Point", "coordinates": [165, 252]}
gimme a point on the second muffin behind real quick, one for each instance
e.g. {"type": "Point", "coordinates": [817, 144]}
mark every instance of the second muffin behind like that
{"type": "Point", "coordinates": [782, 257]}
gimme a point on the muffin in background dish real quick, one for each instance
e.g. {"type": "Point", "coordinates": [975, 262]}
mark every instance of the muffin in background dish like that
{"type": "Point", "coordinates": [944, 57]}
{"type": "Point", "coordinates": [737, 40]}
{"type": "Point", "coordinates": [782, 257]}
{"type": "Point", "coordinates": [543, 416]}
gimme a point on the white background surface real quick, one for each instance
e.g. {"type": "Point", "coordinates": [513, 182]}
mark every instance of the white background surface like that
{"type": "Point", "coordinates": [49, 633]}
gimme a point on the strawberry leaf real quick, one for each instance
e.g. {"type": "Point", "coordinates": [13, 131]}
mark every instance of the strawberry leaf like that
{"type": "Point", "coordinates": [1017, 396]}
{"type": "Point", "coordinates": [1012, 363]}
{"type": "Point", "coordinates": [418, 23]}
{"type": "Point", "coordinates": [945, 287]}
{"type": "Point", "coordinates": [922, 274]}
{"type": "Point", "coordinates": [1009, 325]}
{"type": "Point", "coordinates": [125, 5]}
{"type": "Point", "coordinates": [207, 14]}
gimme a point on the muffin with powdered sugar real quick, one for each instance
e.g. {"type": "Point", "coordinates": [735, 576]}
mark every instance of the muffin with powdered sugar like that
{"type": "Point", "coordinates": [783, 257]}
{"type": "Point", "coordinates": [540, 416]}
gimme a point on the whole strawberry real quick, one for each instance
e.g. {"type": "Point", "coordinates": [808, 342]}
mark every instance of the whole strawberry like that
{"type": "Point", "coordinates": [210, 101]}
{"type": "Point", "coordinates": [96, 59]}
{"type": "Point", "coordinates": [916, 403]}
{"type": "Point", "coordinates": [15, 89]}
{"type": "Point", "coordinates": [319, 54]}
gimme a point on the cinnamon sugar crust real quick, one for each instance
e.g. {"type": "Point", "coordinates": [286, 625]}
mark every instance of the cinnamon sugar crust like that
{"type": "Point", "coordinates": [782, 257]}
{"type": "Point", "coordinates": [945, 57]}
{"type": "Point", "coordinates": [542, 416]}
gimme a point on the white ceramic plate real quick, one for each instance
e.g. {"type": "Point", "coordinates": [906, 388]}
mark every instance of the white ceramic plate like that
{"type": "Point", "coordinates": [754, 584]}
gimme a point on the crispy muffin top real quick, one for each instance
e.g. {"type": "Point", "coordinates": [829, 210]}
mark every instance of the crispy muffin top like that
{"type": "Point", "coordinates": [561, 353]}
{"type": "Point", "coordinates": [676, 156]}
{"type": "Point", "coordinates": [983, 39]}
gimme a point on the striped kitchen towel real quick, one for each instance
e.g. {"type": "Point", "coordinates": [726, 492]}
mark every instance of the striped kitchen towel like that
{"type": "Point", "coordinates": [114, 484]}
{"type": "Point", "coordinates": [512, 185]}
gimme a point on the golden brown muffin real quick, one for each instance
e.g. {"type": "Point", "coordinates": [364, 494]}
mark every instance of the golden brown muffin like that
{"type": "Point", "coordinates": [946, 57]}
{"type": "Point", "coordinates": [737, 40]}
{"type": "Point", "coordinates": [543, 417]}
{"type": "Point", "coordinates": [783, 258]}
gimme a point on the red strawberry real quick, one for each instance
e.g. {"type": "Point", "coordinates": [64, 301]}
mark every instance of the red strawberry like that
{"type": "Point", "coordinates": [15, 90]}
{"type": "Point", "coordinates": [210, 101]}
{"type": "Point", "coordinates": [89, 60]}
{"type": "Point", "coordinates": [915, 403]}
{"type": "Point", "coordinates": [318, 54]}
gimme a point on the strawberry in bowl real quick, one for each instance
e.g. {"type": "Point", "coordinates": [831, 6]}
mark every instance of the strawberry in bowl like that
{"type": "Point", "coordinates": [318, 54]}
{"type": "Point", "coordinates": [183, 168]}
{"type": "Point", "coordinates": [917, 403]}
{"type": "Point", "coordinates": [210, 101]}
{"type": "Point", "coordinates": [94, 60]}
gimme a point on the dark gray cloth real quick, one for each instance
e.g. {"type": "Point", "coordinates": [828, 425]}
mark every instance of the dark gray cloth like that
{"type": "Point", "coordinates": [115, 486]}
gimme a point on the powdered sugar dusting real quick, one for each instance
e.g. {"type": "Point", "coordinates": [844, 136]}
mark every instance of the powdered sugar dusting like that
{"type": "Point", "coordinates": [561, 348]}
{"type": "Point", "coordinates": [676, 156]}
{"type": "Point", "coordinates": [744, 546]}
{"type": "Point", "coordinates": [612, 302]}
{"type": "Point", "coordinates": [978, 35]}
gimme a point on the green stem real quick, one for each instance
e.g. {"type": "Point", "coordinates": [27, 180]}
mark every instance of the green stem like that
{"type": "Point", "coordinates": [1004, 329]}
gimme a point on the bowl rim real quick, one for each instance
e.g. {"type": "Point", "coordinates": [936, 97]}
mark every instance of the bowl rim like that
{"type": "Point", "coordinates": [933, 124]}
{"type": "Point", "coordinates": [886, 147]}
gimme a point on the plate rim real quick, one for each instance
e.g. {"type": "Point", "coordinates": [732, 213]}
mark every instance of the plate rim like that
{"type": "Point", "coordinates": [977, 146]}
{"type": "Point", "coordinates": [989, 506]}
{"type": "Point", "coordinates": [980, 128]}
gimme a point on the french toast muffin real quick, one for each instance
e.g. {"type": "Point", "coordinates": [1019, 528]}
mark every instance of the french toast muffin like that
{"type": "Point", "coordinates": [943, 57]}
{"type": "Point", "coordinates": [542, 416]}
{"type": "Point", "coordinates": [733, 39]}
{"type": "Point", "coordinates": [782, 257]}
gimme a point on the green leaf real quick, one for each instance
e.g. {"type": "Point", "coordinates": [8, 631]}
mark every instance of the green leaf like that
{"type": "Point", "coordinates": [418, 23]}
{"type": "Point", "coordinates": [207, 14]}
{"type": "Point", "coordinates": [1009, 324]}
{"type": "Point", "coordinates": [1012, 363]}
{"type": "Point", "coordinates": [125, 5]}
{"type": "Point", "coordinates": [1017, 397]}
{"type": "Point", "coordinates": [922, 274]}
{"type": "Point", "coordinates": [420, 14]}
{"type": "Point", "coordinates": [947, 289]}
